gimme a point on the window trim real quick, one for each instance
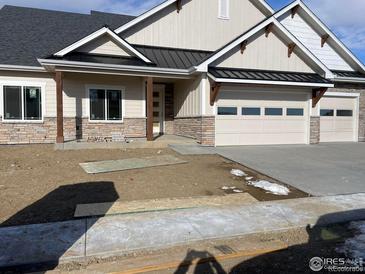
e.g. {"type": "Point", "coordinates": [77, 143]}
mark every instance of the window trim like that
{"type": "Point", "coordinates": [220, 16]}
{"type": "Point", "coordinates": [23, 84]}
{"type": "Point", "coordinates": [105, 87]}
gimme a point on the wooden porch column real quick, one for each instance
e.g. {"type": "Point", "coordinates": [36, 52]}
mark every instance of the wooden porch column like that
{"type": "Point", "coordinates": [149, 109]}
{"type": "Point", "coordinates": [59, 100]}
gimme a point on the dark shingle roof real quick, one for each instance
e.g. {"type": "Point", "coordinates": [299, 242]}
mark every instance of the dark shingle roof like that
{"type": "Point", "coordinates": [349, 74]}
{"type": "Point", "coordinates": [266, 75]}
{"type": "Point", "coordinates": [172, 57]}
{"type": "Point", "coordinates": [27, 33]}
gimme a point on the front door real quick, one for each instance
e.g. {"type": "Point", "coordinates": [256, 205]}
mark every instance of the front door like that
{"type": "Point", "coordinates": [158, 109]}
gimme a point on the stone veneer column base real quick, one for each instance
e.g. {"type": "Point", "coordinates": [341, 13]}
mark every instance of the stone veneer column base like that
{"type": "Point", "coordinates": [315, 129]}
{"type": "Point", "coordinates": [201, 128]}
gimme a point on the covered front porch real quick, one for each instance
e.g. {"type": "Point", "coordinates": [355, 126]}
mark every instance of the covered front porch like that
{"type": "Point", "coordinates": [125, 110]}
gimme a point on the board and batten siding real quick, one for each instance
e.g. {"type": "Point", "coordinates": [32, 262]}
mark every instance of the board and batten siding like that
{"type": "Point", "coordinates": [103, 45]}
{"type": "Point", "coordinates": [312, 40]}
{"type": "Point", "coordinates": [187, 98]}
{"type": "Point", "coordinates": [196, 26]}
{"type": "Point", "coordinates": [75, 95]}
{"type": "Point", "coordinates": [265, 53]}
{"type": "Point", "coordinates": [20, 78]}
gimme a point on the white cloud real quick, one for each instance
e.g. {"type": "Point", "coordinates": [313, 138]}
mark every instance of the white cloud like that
{"type": "Point", "coordinates": [345, 17]}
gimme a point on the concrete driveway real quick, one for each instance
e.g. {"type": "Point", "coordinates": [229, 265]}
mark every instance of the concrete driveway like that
{"type": "Point", "coordinates": [324, 169]}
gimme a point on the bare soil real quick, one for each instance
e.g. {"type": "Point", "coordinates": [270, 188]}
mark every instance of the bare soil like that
{"type": "Point", "coordinates": [39, 184]}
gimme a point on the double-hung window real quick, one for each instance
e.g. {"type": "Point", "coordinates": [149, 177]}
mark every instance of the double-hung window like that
{"type": "Point", "coordinates": [106, 104]}
{"type": "Point", "coordinates": [22, 103]}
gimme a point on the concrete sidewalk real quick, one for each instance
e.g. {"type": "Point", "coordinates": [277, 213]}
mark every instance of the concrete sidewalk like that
{"type": "Point", "coordinates": [122, 234]}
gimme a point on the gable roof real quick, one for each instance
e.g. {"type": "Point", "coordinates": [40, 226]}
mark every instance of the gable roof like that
{"type": "Point", "coordinates": [27, 33]}
{"type": "Point", "coordinates": [271, 20]}
{"type": "Point", "coordinates": [103, 31]}
{"type": "Point", "coordinates": [266, 7]}
{"type": "Point", "coordinates": [322, 28]}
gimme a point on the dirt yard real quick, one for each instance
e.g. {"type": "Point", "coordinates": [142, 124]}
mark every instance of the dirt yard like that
{"type": "Point", "coordinates": [38, 184]}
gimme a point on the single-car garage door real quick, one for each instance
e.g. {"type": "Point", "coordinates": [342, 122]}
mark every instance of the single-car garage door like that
{"type": "Point", "coordinates": [261, 118]}
{"type": "Point", "coordinates": [338, 119]}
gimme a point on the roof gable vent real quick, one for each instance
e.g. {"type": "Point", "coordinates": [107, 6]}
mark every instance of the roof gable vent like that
{"type": "Point", "coordinates": [223, 9]}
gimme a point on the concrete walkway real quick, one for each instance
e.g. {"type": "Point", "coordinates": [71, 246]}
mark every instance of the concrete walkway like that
{"type": "Point", "coordinates": [120, 234]}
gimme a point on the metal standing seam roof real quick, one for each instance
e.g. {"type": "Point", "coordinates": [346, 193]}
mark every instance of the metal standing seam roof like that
{"type": "Point", "coordinates": [266, 75]}
{"type": "Point", "coordinates": [348, 74]}
{"type": "Point", "coordinates": [172, 57]}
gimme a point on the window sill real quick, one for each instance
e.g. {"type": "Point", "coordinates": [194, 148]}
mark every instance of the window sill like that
{"type": "Point", "coordinates": [105, 122]}
{"type": "Point", "coordinates": [22, 122]}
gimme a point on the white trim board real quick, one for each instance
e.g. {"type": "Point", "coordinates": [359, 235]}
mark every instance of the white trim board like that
{"type": "Point", "coordinates": [264, 82]}
{"type": "Point", "coordinates": [98, 34]}
{"type": "Point", "coordinates": [204, 66]}
{"type": "Point", "coordinates": [322, 28]}
{"type": "Point", "coordinates": [167, 3]}
{"type": "Point", "coordinates": [341, 94]}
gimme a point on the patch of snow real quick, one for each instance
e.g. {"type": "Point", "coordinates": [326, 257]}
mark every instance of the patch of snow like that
{"type": "Point", "coordinates": [248, 178]}
{"type": "Point", "coordinates": [355, 247]}
{"type": "Point", "coordinates": [237, 191]}
{"type": "Point", "coordinates": [228, 187]}
{"type": "Point", "coordinates": [270, 187]}
{"type": "Point", "coordinates": [238, 173]}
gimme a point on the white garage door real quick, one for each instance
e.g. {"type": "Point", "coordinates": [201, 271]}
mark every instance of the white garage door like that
{"type": "Point", "coordinates": [338, 119]}
{"type": "Point", "coordinates": [261, 118]}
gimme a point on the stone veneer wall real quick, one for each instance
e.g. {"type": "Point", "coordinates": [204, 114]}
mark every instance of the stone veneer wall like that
{"type": "Point", "coordinates": [74, 128]}
{"type": "Point", "coordinates": [201, 128]}
{"type": "Point", "coordinates": [355, 88]}
{"type": "Point", "coordinates": [315, 129]}
{"type": "Point", "coordinates": [131, 127]}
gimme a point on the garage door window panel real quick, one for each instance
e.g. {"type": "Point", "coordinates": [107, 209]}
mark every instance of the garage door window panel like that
{"type": "Point", "coordinates": [327, 112]}
{"type": "Point", "coordinates": [251, 111]}
{"type": "Point", "coordinates": [344, 113]}
{"type": "Point", "coordinates": [295, 112]}
{"type": "Point", "coordinates": [273, 111]}
{"type": "Point", "coordinates": [230, 111]}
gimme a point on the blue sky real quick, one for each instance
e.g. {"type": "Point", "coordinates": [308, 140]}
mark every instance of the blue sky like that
{"type": "Point", "coordinates": [345, 17]}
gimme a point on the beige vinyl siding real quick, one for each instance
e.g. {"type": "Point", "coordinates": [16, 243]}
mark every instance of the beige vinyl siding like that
{"type": "Point", "coordinates": [39, 78]}
{"type": "Point", "coordinates": [76, 102]}
{"type": "Point", "coordinates": [197, 26]}
{"type": "Point", "coordinates": [187, 98]}
{"type": "Point", "coordinates": [103, 45]}
{"type": "Point", "coordinates": [265, 53]}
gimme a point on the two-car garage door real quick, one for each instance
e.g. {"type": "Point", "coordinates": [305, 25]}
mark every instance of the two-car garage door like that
{"type": "Point", "coordinates": [261, 118]}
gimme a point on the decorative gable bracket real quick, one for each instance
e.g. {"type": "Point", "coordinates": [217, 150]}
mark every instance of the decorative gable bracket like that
{"type": "Point", "coordinates": [294, 10]}
{"type": "Point", "coordinates": [268, 29]}
{"type": "Point", "coordinates": [214, 93]}
{"type": "Point", "coordinates": [178, 5]}
{"type": "Point", "coordinates": [317, 94]}
{"type": "Point", "coordinates": [324, 39]}
{"type": "Point", "coordinates": [291, 48]}
{"type": "Point", "coordinates": [243, 46]}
